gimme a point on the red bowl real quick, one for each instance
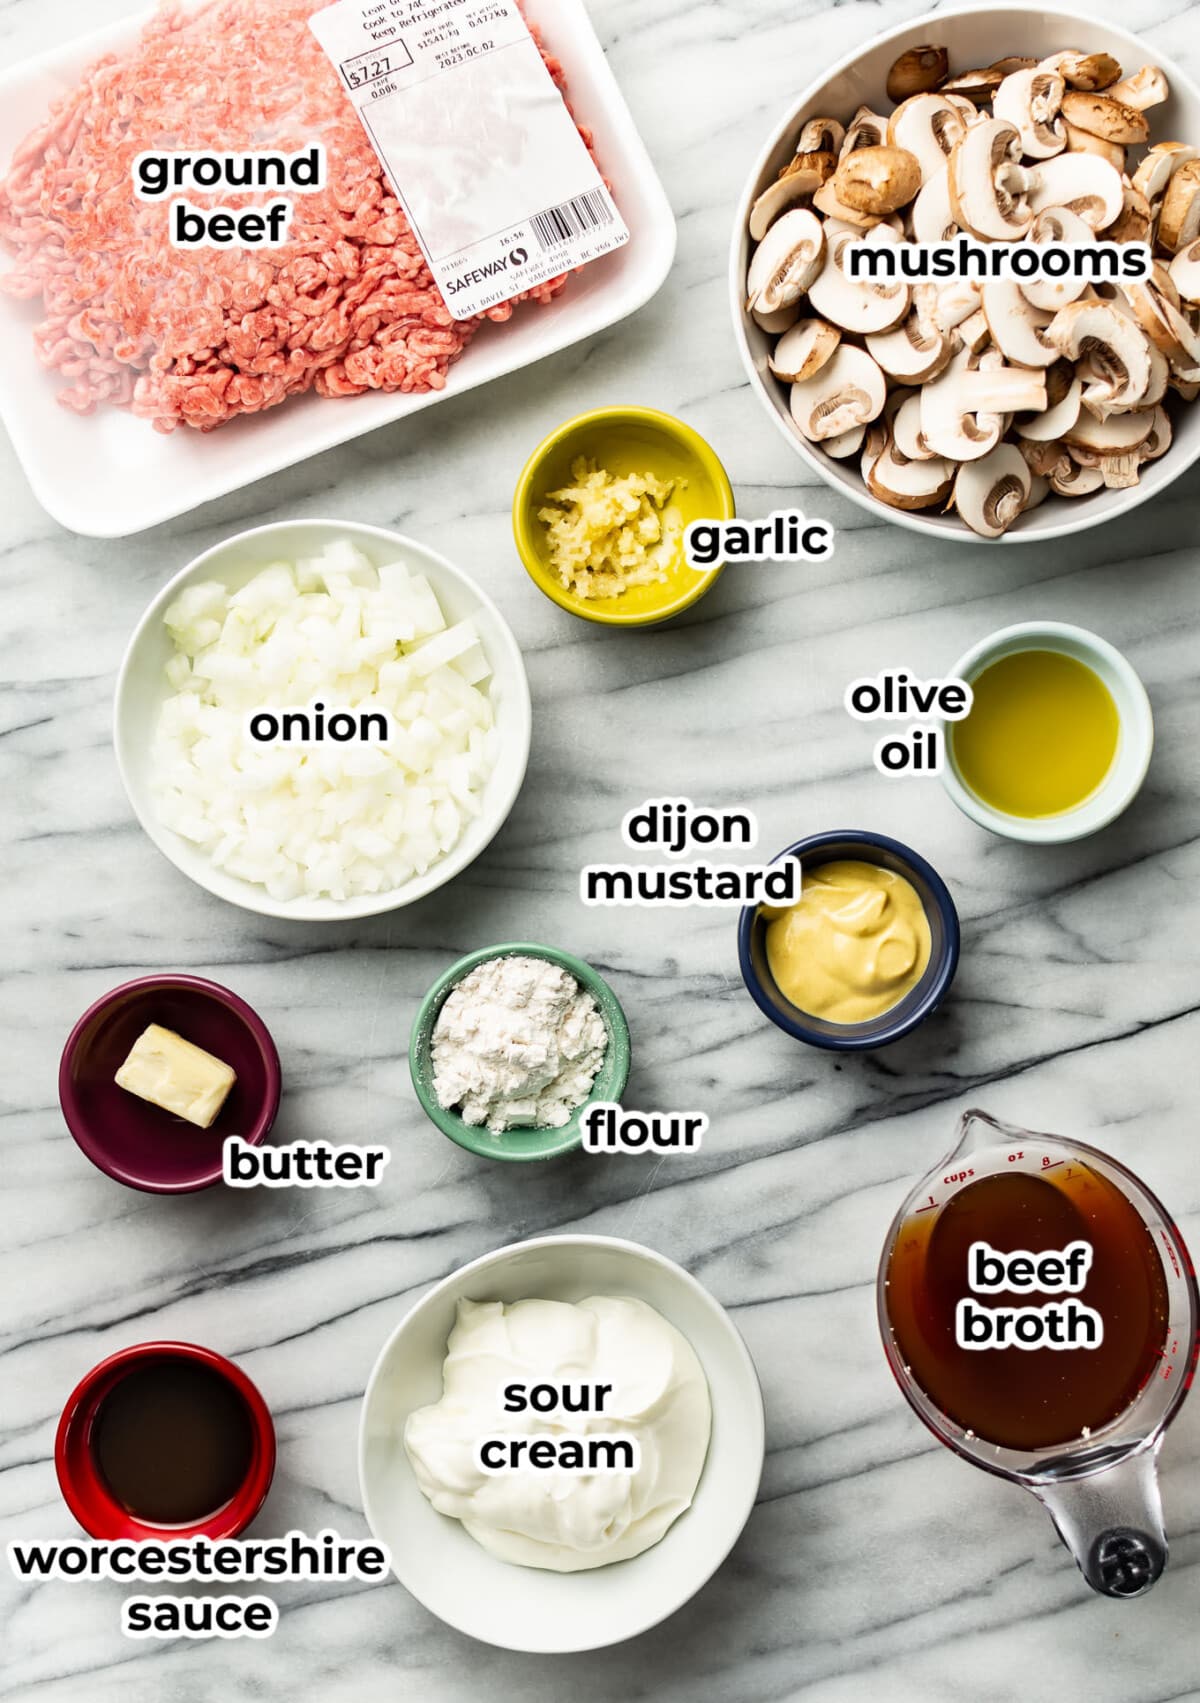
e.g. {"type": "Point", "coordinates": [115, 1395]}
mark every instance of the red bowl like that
{"type": "Point", "coordinates": [79, 1478]}
{"type": "Point", "coordinates": [138, 1144]}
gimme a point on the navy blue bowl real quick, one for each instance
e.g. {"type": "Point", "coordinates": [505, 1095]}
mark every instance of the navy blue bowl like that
{"type": "Point", "coordinates": [859, 846]}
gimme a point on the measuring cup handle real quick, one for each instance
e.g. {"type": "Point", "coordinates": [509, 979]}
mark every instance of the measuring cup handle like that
{"type": "Point", "coordinates": [1124, 1563]}
{"type": "Point", "coordinates": [1112, 1523]}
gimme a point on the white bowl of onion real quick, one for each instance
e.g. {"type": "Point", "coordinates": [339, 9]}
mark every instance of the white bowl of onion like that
{"type": "Point", "coordinates": [320, 831]}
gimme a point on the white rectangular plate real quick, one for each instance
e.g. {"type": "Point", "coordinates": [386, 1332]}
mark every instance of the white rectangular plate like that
{"type": "Point", "coordinates": [107, 474]}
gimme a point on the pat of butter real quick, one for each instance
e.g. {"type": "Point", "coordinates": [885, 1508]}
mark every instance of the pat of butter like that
{"type": "Point", "coordinates": [172, 1073]}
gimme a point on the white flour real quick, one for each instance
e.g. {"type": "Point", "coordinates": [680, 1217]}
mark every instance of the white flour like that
{"type": "Point", "coordinates": [517, 1045]}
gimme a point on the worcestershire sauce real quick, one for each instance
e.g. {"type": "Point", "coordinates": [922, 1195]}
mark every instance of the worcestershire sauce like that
{"type": "Point", "coordinates": [173, 1441]}
{"type": "Point", "coordinates": [1029, 1398]}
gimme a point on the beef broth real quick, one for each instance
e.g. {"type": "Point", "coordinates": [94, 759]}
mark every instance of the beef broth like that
{"type": "Point", "coordinates": [1021, 1397]}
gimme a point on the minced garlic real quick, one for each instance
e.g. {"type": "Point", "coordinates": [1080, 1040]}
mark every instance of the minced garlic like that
{"type": "Point", "coordinates": [608, 532]}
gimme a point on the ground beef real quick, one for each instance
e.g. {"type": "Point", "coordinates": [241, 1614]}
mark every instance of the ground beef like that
{"type": "Point", "coordinates": [197, 338]}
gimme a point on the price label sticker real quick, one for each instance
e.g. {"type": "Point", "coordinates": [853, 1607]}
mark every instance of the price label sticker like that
{"type": "Point", "coordinates": [476, 140]}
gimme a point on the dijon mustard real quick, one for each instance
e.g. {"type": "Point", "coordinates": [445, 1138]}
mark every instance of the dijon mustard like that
{"type": "Point", "coordinates": [856, 941]}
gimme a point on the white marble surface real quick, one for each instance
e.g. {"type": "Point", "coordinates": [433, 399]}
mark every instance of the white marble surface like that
{"type": "Point", "coordinates": [875, 1562]}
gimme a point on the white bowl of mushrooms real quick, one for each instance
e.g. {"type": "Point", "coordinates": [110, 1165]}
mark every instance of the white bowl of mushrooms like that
{"type": "Point", "coordinates": [997, 409]}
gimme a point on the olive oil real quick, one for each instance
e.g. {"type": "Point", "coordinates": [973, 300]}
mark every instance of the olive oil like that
{"type": "Point", "coordinates": [1041, 736]}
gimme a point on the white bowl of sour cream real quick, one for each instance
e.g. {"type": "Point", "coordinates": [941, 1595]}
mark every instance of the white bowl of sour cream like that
{"type": "Point", "coordinates": [521, 1607]}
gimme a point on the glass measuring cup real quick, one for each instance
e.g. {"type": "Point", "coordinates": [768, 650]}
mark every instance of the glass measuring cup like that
{"type": "Point", "coordinates": [1100, 1489]}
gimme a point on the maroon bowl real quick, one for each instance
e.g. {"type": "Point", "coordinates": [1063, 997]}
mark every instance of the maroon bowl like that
{"type": "Point", "coordinates": [138, 1144]}
{"type": "Point", "coordinates": [82, 1482]}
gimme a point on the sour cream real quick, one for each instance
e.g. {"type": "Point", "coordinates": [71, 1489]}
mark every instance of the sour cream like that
{"type": "Point", "coordinates": [563, 1519]}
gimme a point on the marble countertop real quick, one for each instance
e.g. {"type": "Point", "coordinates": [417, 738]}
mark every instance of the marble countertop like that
{"type": "Point", "coordinates": [874, 1560]}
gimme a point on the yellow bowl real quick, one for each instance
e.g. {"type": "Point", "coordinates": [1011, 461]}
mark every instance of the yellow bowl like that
{"type": "Point", "coordinates": [624, 440]}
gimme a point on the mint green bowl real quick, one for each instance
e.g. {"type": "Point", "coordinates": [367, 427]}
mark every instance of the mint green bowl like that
{"type": "Point", "coordinates": [519, 1144]}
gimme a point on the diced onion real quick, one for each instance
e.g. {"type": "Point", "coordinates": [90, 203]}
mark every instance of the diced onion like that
{"type": "Point", "coordinates": [323, 819]}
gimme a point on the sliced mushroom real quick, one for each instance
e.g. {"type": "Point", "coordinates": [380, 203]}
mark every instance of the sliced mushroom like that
{"type": "Point", "coordinates": [917, 70]}
{"type": "Point", "coordinates": [1147, 87]}
{"type": "Point", "coordinates": [1159, 166]}
{"type": "Point", "coordinates": [848, 391]}
{"type": "Point", "coordinates": [991, 493]}
{"type": "Point", "coordinates": [1115, 350]}
{"type": "Point", "coordinates": [988, 183]}
{"type": "Point", "coordinates": [971, 114]}
{"type": "Point", "coordinates": [1160, 370]}
{"type": "Point", "coordinates": [1039, 490]}
{"type": "Point", "coordinates": [917, 350]}
{"type": "Point", "coordinates": [993, 387]}
{"type": "Point", "coordinates": [957, 302]}
{"type": "Point", "coordinates": [776, 198]}
{"type": "Point", "coordinates": [981, 84]}
{"type": "Point", "coordinates": [1120, 471]}
{"type": "Point", "coordinates": [1179, 216]}
{"type": "Point", "coordinates": [1081, 142]}
{"type": "Point", "coordinates": [1132, 223]}
{"type": "Point", "coordinates": [826, 201]}
{"type": "Point", "coordinates": [1059, 379]}
{"type": "Point", "coordinates": [975, 333]}
{"type": "Point", "coordinates": [781, 320]}
{"type": "Point", "coordinates": [905, 484]}
{"type": "Point", "coordinates": [1032, 101]}
{"type": "Point", "coordinates": [1042, 458]}
{"type": "Point", "coordinates": [1155, 302]}
{"type": "Point", "coordinates": [1055, 420]}
{"type": "Point", "coordinates": [877, 180]}
{"type": "Point", "coordinates": [1083, 70]}
{"type": "Point", "coordinates": [1101, 115]}
{"type": "Point", "coordinates": [949, 423]}
{"type": "Point", "coordinates": [898, 395]}
{"type": "Point", "coordinates": [820, 136]}
{"type": "Point", "coordinates": [811, 166]}
{"type": "Point", "coordinates": [927, 126]}
{"type": "Point", "coordinates": [867, 130]}
{"type": "Point", "coordinates": [835, 227]}
{"type": "Point", "coordinates": [873, 447]}
{"type": "Point", "coordinates": [850, 303]}
{"type": "Point", "coordinates": [1158, 440]}
{"type": "Point", "coordinates": [845, 444]}
{"type": "Point", "coordinates": [794, 182]}
{"type": "Point", "coordinates": [1104, 290]}
{"type": "Point", "coordinates": [1185, 272]}
{"type": "Point", "coordinates": [1016, 326]}
{"type": "Point", "coordinates": [1109, 437]}
{"type": "Point", "coordinates": [804, 350]}
{"type": "Point", "coordinates": [1060, 226]}
{"type": "Point", "coordinates": [906, 429]}
{"type": "Point", "coordinates": [1160, 376]}
{"type": "Point", "coordinates": [1081, 183]}
{"type": "Point", "coordinates": [933, 218]}
{"type": "Point", "coordinates": [1069, 479]}
{"type": "Point", "coordinates": [786, 262]}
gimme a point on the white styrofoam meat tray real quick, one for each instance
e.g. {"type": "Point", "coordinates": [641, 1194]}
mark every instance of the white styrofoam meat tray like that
{"type": "Point", "coordinates": [108, 474]}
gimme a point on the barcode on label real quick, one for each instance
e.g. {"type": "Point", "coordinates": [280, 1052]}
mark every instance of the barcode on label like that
{"type": "Point", "coordinates": [585, 213]}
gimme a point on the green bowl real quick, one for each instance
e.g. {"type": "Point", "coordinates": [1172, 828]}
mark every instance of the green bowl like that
{"type": "Point", "coordinates": [519, 1144]}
